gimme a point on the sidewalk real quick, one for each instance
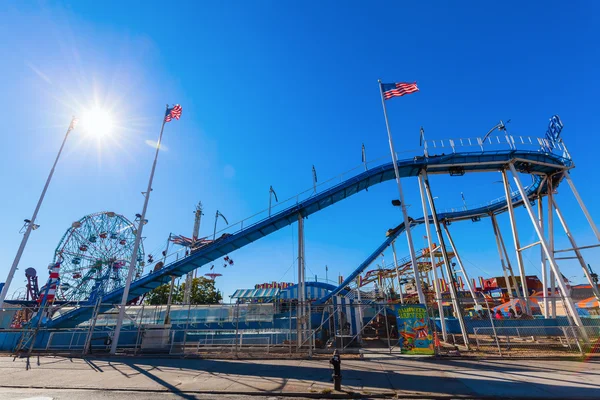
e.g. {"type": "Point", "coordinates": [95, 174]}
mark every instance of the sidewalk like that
{"type": "Point", "coordinates": [384, 376]}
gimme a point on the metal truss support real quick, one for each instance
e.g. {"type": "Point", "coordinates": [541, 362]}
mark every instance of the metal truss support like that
{"type": "Point", "coordinates": [549, 256]}
{"type": "Point", "coordinates": [461, 265]}
{"type": "Point", "coordinates": [438, 229]}
{"type": "Point", "coordinates": [515, 233]}
{"type": "Point", "coordinates": [582, 205]}
{"type": "Point", "coordinates": [436, 281]}
{"type": "Point", "coordinates": [501, 254]}
{"type": "Point", "coordinates": [576, 249]}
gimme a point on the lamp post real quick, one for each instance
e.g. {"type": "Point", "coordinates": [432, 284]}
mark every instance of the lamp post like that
{"type": "Point", "coordinates": [217, 215]}
{"type": "Point", "coordinates": [30, 224]}
{"type": "Point", "coordinates": [272, 193]}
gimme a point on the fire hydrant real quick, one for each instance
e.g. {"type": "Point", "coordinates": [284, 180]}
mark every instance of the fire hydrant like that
{"type": "Point", "coordinates": [337, 373]}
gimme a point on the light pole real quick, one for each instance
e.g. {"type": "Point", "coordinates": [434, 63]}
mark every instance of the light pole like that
{"type": "Point", "coordinates": [217, 215]}
{"type": "Point", "coordinates": [30, 224]}
{"type": "Point", "coordinates": [272, 193]}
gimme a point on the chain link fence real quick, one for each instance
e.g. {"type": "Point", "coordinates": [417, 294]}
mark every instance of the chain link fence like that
{"type": "Point", "coordinates": [482, 327]}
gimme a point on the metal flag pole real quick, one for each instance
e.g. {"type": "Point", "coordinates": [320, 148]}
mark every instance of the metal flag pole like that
{"type": "Point", "coordinates": [136, 245]}
{"type": "Point", "coordinates": [411, 249]}
{"type": "Point", "coordinates": [31, 223]}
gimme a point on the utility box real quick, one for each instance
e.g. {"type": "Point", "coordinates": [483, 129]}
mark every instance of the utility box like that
{"type": "Point", "coordinates": [155, 337]}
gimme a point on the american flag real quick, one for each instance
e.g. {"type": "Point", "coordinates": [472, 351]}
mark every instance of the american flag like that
{"type": "Point", "coordinates": [398, 89]}
{"type": "Point", "coordinates": [174, 112]}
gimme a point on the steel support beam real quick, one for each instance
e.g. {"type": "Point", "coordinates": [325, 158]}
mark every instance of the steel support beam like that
{"type": "Point", "coordinates": [578, 254]}
{"type": "Point", "coordinates": [460, 264]}
{"type": "Point", "coordinates": [553, 277]}
{"type": "Point", "coordinates": [543, 258]}
{"type": "Point", "coordinates": [500, 253]}
{"type": "Point", "coordinates": [582, 205]}
{"type": "Point", "coordinates": [436, 282]}
{"type": "Point", "coordinates": [549, 256]}
{"type": "Point", "coordinates": [438, 229]}
{"type": "Point", "coordinates": [517, 243]}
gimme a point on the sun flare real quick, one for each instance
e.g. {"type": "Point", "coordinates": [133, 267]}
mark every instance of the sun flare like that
{"type": "Point", "coordinates": [97, 122]}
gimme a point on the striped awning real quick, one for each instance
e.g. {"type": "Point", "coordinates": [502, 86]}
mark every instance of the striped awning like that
{"type": "Point", "coordinates": [255, 293]}
{"type": "Point", "coordinates": [591, 302]}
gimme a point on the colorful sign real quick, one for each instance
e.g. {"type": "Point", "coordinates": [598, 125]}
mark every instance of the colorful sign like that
{"type": "Point", "coordinates": [274, 285]}
{"type": "Point", "coordinates": [414, 334]}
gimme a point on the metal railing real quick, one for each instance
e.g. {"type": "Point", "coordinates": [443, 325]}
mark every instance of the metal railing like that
{"type": "Point", "coordinates": [513, 142]}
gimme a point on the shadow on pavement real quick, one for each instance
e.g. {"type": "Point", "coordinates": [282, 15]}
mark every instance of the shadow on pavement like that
{"type": "Point", "coordinates": [418, 380]}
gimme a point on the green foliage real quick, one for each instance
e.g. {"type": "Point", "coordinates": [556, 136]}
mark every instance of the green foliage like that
{"type": "Point", "coordinates": [203, 292]}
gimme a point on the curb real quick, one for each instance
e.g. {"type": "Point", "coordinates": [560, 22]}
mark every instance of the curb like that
{"type": "Point", "coordinates": [311, 395]}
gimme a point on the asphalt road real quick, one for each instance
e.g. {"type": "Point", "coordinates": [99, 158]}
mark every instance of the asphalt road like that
{"type": "Point", "coordinates": [53, 394]}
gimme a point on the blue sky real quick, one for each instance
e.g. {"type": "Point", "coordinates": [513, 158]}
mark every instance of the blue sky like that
{"type": "Point", "coordinates": [269, 89]}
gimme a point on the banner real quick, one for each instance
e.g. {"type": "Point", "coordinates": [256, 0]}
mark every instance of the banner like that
{"type": "Point", "coordinates": [414, 334]}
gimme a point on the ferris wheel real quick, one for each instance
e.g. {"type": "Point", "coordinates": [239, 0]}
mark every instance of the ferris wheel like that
{"type": "Point", "coordinates": [95, 253]}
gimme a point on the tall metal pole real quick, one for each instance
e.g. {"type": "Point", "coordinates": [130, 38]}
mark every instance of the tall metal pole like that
{"type": "Point", "coordinates": [549, 256]}
{"type": "Point", "coordinates": [364, 157]}
{"type": "Point", "coordinates": [507, 258]}
{"type": "Point", "coordinates": [397, 272]}
{"type": "Point", "coordinates": [500, 253]}
{"type": "Point", "coordinates": [31, 223]}
{"type": "Point", "coordinates": [136, 246]}
{"type": "Point", "coordinates": [438, 229]}
{"type": "Point", "coordinates": [513, 225]}
{"type": "Point", "coordinates": [215, 229]}
{"type": "Point", "coordinates": [582, 205]}
{"type": "Point", "coordinates": [411, 248]}
{"type": "Point", "coordinates": [299, 307]}
{"type": "Point", "coordinates": [170, 299]}
{"type": "Point", "coordinates": [551, 246]}
{"type": "Point", "coordinates": [195, 234]}
{"type": "Point", "coordinates": [436, 282]}
{"type": "Point", "coordinates": [540, 205]}
{"type": "Point", "coordinates": [461, 265]}
{"type": "Point", "coordinates": [360, 310]}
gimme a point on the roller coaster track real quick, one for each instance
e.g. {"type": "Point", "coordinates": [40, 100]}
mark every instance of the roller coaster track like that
{"type": "Point", "coordinates": [537, 163]}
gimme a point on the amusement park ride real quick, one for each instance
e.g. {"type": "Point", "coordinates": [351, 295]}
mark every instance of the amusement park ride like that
{"type": "Point", "coordinates": [93, 251]}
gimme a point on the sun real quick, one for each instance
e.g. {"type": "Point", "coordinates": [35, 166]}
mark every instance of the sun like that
{"type": "Point", "coordinates": [97, 122]}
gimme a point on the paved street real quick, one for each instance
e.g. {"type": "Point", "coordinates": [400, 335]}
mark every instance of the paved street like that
{"type": "Point", "coordinates": [383, 376]}
{"type": "Point", "coordinates": [69, 394]}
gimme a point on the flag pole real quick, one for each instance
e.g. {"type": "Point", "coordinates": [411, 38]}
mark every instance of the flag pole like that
{"type": "Point", "coordinates": [136, 246]}
{"type": "Point", "coordinates": [411, 248]}
{"type": "Point", "coordinates": [31, 224]}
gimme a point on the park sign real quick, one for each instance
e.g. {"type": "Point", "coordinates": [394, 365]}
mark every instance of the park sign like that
{"type": "Point", "coordinates": [414, 333]}
{"type": "Point", "coordinates": [553, 133]}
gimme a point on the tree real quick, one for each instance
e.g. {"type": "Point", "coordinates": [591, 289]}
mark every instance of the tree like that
{"type": "Point", "coordinates": [203, 292]}
{"type": "Point", "coordinates": [160, 295]}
